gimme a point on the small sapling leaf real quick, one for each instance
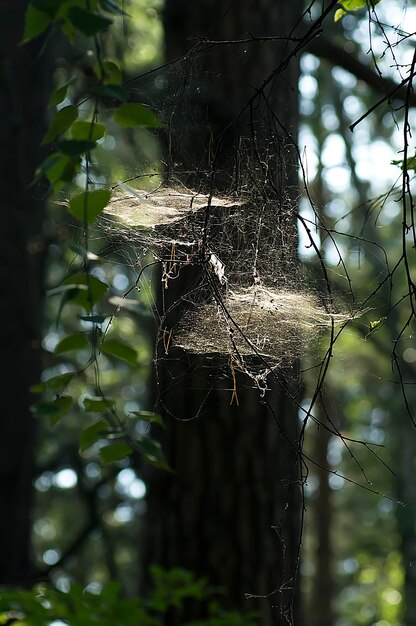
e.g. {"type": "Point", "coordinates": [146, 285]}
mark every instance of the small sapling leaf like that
{"type": "Point", "coordinates": [91, 289]}
{"type": "Point", "coordinates": [87, 205]}
{"type": "Point", "coordinates": [87, 131]}
{"type": "Point", "coordinates": [119, 350]}
{"type": "Point", "coordinates": [36, 22]}
{"type": "Point", "coordinates": [87, 22]}
{"type": "Point", "coordinates": [97, 405]}
{"type": "Point", "coordinates": [92, 434]}
{"type": "Point", "coordinates": [131, 115]}
{"type": "Point", "coordinates": [114, 452]}
{"type": "Point", "coordinates": [61, 122]}
{"type": "Point", "coordinates": [75, 147]}
{"type": "Point", "coordinates": [76, 341]}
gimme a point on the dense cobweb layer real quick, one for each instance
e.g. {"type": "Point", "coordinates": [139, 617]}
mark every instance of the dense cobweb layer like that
{"type": "Point", "coordinates": [271, 323]}
{"type": "Point", "coordinates": [245, 302]}
{"type": "Point", "coordinates": [162, 217]}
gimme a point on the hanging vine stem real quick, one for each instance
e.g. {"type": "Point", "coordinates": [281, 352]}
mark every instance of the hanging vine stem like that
{"type": "Point", "coordinates": [74, 146]}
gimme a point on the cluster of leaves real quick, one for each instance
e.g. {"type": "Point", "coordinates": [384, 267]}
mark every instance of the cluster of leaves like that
{"type": "Point", "coordinates": [73, 134]}
{"type": "Point", "coordinates": [172, 591]}
{"type": "Point", "coordinates": [346, 6]}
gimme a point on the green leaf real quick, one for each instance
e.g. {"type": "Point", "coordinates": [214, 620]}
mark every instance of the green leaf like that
{"type": "Point", "coordinates": [87, 205]}
{"type": "Point", "coordinates": [119, 350]}
{"type": "Point", "coordinates": [410, 163]}
{"type": "Point", "coordinates": [75, 147]}
{"type": "Point", "coordinates": [352, 5]}
{"type": "Point", "coordinates": [131, 114]}
{"type": "Point", "coordinates": [59, 381]}
{"type": "Point", "coordinates": [87, 131]}
{"type": "Point", "coordinates": [339, 13]}
{"type": "Point", "coordinates": [47, 6]}
{"type": "Point", "coordinates": [37, 388]}
{"type": "Point", "coordinates": [148, 416]}
{"type": "Point", "coordinates": [114, 452]}
{"type": "Point", "coordinates": [112, 7]}
{"type": "Point", "coordinates": [61, 122]}
{"type": "Point", "coordinates": [152, 452]}
{"type": "Point", "coordinates": [53, 410]}
{"type": "Point", "coordinates": [92, 434]}
{"type": "Point", "coordinates": [113, 74]}
{"type": "Point", "coordinates": [115, 92]}
{"type": "Point", "coordinates": [97, 405]}
{"type": "Point", "coordinates": [94, 319]}
{"type": "Point", "coordinates": [88, 22]}
{"type": "Point", "coordinates": [69, 294]}
{"type": "Point", "coordinates": [58, 168]}
{"type": "Point", "coordinates": [76, 341]}
{"type": "Point", "coordinates": [91, 290]}
{"type": "Point", "coordinates": [58, 95]}
{"type": "Point", "coordinates": [36, 22]}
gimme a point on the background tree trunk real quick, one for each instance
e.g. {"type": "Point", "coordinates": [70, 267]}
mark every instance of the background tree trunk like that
{"type": "Point", "coordinates": [22, 114]}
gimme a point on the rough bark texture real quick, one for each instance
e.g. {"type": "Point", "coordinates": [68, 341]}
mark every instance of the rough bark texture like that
{"type": "Point", "coordinates": [406, 515]}
{"type": "Point", "coordinates": [22, 110]}
{"type": "Point", "coordinates": [236, 467]}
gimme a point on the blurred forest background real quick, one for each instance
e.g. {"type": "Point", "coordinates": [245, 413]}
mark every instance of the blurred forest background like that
{"type": "Point", "coordinates": [69, 518]}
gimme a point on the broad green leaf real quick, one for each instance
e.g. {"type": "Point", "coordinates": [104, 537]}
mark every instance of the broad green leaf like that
{"type": "Point", "coordinates": [92, 289]}
{"type": "Point", "coordinates": [47, 6]}
{"type": "Point", "coordinates": [148, 416]}
{"type": "Point", "coordinates": [92, 434]}
{"type": "Point", "coordinates": [119, 350]}
{"type": "Point", "coordinates": [75, 147]}
{"type": "Point", "coordinates": [108, 73]}
{"type": "Point", "coordinates": [152, 452]}
{"type": "Point", "coordinates": [69, 294]}
{"type": "Point", "coordinates": [131, 114]}
{"type": "Point", "coordinates": [61, 122]}
{"type": "Point", "coordinates": [88, 131]}
{"type": "Point", "coordinates": [87, 205]}
{"type": "Point", "coordinates": [59, 168]}
{"type": "Point", "coordinates": [59, 94]}
{"type": "Point", "coordinates": [114, 452]}
{"type": "Point", "coordinates": [59, 381]}
{"type": "Point", "coordinates": [76, 341]}
{"type": "Point", "coordinates": [37, 388]}
{"type": "Point", "coordinates": [115, 92]}
{"type": "Point", "coordinates": [53, 410]}
{"type": "Point", "coordinates": [36, 22]}
{"type": "Point", "coordinates": [88, 22]}
{"type": "Point", "coordinates": [112, 7]}
{"type": "Point", "coordinates": [97, 405]}
{"type": "Point", "coordinates": [113, 74]}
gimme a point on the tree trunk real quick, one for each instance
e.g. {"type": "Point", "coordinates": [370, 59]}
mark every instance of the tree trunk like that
{"type": "Point", "coordinates": [231, 511]}
{"type": "Point", "coordinates": [405, 452]}
{"type": "Point", "coordinates": [22, 114]}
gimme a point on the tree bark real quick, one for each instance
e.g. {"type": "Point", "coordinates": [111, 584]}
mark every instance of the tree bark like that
{"type": "Point", "coordinates": [231, 511]}
{"type": "Point", "coordinates": [22, 114]}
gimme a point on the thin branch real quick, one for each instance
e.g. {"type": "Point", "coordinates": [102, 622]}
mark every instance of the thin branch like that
{"type": "Point", "coordinates": [335, 54]}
